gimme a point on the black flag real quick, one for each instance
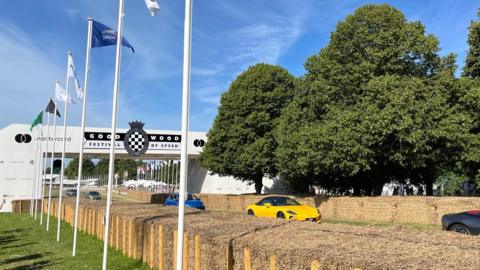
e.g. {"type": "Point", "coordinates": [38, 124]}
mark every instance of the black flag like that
{"type": "Point", "coordinates": [51, 108]}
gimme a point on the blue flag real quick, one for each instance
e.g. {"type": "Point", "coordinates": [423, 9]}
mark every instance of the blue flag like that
{"type": "Point", "coordinates": [103, 35]}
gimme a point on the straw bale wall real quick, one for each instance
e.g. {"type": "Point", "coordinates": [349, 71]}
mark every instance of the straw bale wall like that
{"type": "Point", "coordinates": [390, 209]}
{"type": "Point", "coordinates": [396, 209]}
{"type": "Point", "coordinates": [226, 240]}
{"type": "Point", "coordinates": [143, 196]}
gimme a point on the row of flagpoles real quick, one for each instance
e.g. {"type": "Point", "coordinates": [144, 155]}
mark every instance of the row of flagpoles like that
{"type": "Point", "coordinates": [100, 35]}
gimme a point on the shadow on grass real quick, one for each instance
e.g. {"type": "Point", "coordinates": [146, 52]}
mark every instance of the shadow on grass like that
{"type": "Point", "coordinates": [35, 265]}
{"type": "Point", "coordinates": [15, 231]}
{"type": "Point", "coordinates": [21, 245]}
{"type": "Point", "coordinates": [8, 239]}
{"type": "Point", "coordinates": [25, 258]}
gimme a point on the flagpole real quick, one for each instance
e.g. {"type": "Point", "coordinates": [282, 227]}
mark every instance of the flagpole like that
{"type": "Point", "coordinates": [35, 149]}
{"type": "Point", "coordinates": [113, 131]}
{"type": "Point", "coordinates": [51, 166]}
{"type": "Point", "coordinates": [39, 167]}
{"type": "Point", "coordinates": [45, 165]}
{"type": "Point", "coordinates": [84, 114]}
{"type": "Point", "coordinates": [172, 176]}
{"type": "Point", "coordinates": [62, 166]}
{"type": "Point", "coordinates": [187, 42]}
{"type": "Point", "coordinates": [176, 173]}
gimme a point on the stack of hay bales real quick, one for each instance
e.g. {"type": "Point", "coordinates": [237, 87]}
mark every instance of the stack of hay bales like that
{"type": "Point", "coordinates": [447, 205]}
{"type": "Point", "coordinates": [397, 209]}
{"type": "Point", "coordinates": [415, 210]}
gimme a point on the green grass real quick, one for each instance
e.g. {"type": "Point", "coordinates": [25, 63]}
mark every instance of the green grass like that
{"type": "Point", "coordinates": [383, 224]}
{"type": "Point", "coordinates": [24, 244]}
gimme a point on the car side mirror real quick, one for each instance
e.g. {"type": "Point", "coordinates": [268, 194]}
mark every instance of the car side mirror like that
{"type": "Point", "coordinates": [267, 204]}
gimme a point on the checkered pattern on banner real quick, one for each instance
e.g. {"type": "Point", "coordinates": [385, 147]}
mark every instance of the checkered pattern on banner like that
{"type": "Point", "coordinates": [136, 141]}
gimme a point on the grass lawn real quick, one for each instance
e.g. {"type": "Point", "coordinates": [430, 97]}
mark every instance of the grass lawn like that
{"type": "Point", "coordinates": [24, 244]}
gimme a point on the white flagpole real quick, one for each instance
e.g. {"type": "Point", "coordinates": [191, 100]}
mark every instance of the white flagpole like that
{"type": "Point", "coordinates": [45, 165]}
{"type": "Point", "coordinates": [34, 176]}
{"type": "Point", "coordinates": [62, 167]}
{"type": "Point", "coordinates": [39, 168]}
{"type": "Point", "coordinates": [51, 163]}
{"type": "Point", "coordinates": [113, 131]}
{"type": "Point", "coordinates": [187, 42]}
{"type": "Point", "coordinates": [172, 172]}
{"type": "Point", "coordinates": [176, 173]}
{"type": "Point", "coordinates": [84, 114]}
{"type": "Point", "coordinates": [167, 172]}
{"type": "Point", "coordinates": [163, 173]}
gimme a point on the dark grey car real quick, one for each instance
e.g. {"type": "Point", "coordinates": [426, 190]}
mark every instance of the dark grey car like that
{"type": "Point", "coordinates": [71, 192]}
{"type": "Point", "coordinates": [93, 195]}
{"type": "Point", "coordinates": [466, 222]}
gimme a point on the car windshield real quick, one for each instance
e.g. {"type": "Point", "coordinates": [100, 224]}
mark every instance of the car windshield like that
{"type": "Point", "coordinates": [93, 193]}
{"type": "Point", "coordinates": [188, 197]}
{"type": "Point", "coordinates": [283, 201]}
{"type": "Point", "coordinates": [191, 197]}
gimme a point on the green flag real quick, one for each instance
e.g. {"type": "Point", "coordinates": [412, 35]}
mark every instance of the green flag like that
{"type": "Point", "coordinates": [38, 120]}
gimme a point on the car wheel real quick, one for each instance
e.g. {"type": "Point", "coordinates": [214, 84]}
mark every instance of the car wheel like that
{"type": "Point", "coordinates": [281, 215]}
{"type": "Point", "coordinates": [459, 228]}
{"type": "Point", "coordinates": [250, 212]}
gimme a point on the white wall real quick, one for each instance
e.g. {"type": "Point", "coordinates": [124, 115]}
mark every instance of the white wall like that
{"type": "Point", "coordinates": [201, 181]}
{"type": "Point", "coordinates": [16, 166]}
{"type": "Point", "coordinates": [17, 159]}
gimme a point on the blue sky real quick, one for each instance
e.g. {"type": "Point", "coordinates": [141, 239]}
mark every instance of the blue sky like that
{"type": "Point", "coordinates": [228, 36]}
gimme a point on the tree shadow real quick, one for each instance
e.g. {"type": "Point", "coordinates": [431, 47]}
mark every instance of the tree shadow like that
{"type": "Point", "coordinates": [8, 239]}
{"type": "Point", "coordinates": [21, 245]}
{"type": "Point", "coordinates": [25, 258]}
{"type": "Point", "coordinates": [15, 231]}
{"type": "Point", "coordinates": [35, 265]}
{"type": "Point", "coordinates": [319, 200]}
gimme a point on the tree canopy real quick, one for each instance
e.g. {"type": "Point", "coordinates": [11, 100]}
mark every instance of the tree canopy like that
{"type": "Point", "coordinates": [377, 103]}
{"type": "Point", "coordinates": [241, 141]}
{"type": "Point", "coordinates": [71, 172]}
{"type": "Point", "coordinates": [375, 106]}
{"type": "Point", "coordinates": [472, 62]}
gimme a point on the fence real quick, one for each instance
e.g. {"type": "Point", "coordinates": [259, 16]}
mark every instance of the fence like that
{"type": "Point", "coordinates": [155, 243]}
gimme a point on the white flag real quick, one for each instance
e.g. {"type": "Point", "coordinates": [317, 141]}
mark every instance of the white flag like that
{"type": "Point", "coordinates": [61, 94]}
{"type": "Point", "coordinates": [152, 6]}
{"type": "Point", "coordinates": [71, 74]}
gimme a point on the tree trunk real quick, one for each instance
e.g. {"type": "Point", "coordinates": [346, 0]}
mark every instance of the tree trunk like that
{"type": "Point", "coordinates": [429, 187]}
{"type": "Point", "coordinates": [377, 190]}
{"type": "Point", "coordinates": [368, 190]}
{"type": "Point", "coordinates": [356, 191]}
{"type": "Point", "coordinates": [258, 186]}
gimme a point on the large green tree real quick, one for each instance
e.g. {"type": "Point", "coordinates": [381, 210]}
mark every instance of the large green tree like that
{"type": "Point", "coordinates": [127, 165]}
{"type": "Point", "coordinates": [471, 102]}
{"type": "Point", "coordinates": [88, 168]}
{"type": "Point", "coordinates": [101, 167]}
{"type": "Point", "coordinates": [375, 106]}
{"type": "Point", "coordinates": [121, 165]}
{"type": "Point", "coordinates": [470, 99]}
{"type": "Point", "coordinates": [472, 62]}
{"type": "Point", "coordinates": [241, 141]}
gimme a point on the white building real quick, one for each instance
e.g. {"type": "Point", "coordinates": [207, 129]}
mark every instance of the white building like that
{"type": "Point", "coordinates": [17, 158]}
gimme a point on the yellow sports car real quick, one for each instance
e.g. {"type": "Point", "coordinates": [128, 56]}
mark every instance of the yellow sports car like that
{"type": "Point", "coordinates": [284, 208]}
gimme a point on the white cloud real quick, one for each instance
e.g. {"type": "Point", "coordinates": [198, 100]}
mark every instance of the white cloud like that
{"type": "Point", "coordinates": [264, 42]}
{"type": "Point", "coordinates": [227, 38]}
{"type": "Point", "coordinates": [257, 34]}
